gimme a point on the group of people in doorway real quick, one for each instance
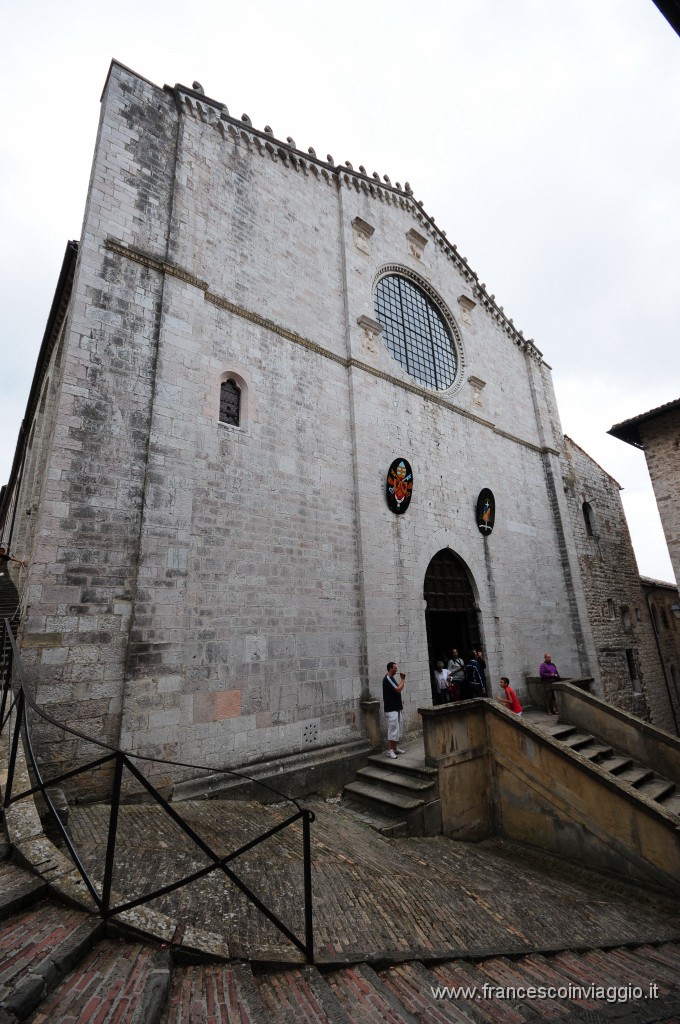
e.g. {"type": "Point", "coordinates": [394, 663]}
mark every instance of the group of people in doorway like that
{"type": "Point", "coordinates": [464, 680]}
{"type": "Point", "coordinates": [459, 680]}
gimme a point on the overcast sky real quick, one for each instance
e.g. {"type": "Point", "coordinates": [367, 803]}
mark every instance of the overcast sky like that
{"type": "Point", "coordinates": [542, 135]}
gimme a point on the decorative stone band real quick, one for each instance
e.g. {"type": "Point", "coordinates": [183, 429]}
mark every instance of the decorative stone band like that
{"type": "Point", "coordinates": [164, 267]}
{"type": "Point", "coordinates": [153, 263]}
{"type": "Point", "coordinates": [269, 325]}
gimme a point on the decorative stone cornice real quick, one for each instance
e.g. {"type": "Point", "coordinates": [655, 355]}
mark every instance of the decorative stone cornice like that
{"type": "Point", "coordinates": [242, 133]}
{"type": "Point", "coordinates": [155, 264]}
{"type": "Point", "coordinates": [270, 325]}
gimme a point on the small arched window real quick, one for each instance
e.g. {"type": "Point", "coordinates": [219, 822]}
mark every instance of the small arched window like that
{"type": "Point", "coordinates": [230, 402]}
{"type": "Point", "coordinates": [589, 518]}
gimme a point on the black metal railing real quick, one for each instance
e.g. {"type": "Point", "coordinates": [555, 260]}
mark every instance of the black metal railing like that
{"type": "Point", "coordinates": [17, 700]}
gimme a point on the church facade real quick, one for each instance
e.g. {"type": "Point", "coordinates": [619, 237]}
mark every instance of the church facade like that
{"type": "Point", "coordinates": [280, 434]}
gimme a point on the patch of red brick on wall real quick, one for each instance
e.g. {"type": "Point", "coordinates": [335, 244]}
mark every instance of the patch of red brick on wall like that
{"type": "Point", "coordinates": [214, 707]}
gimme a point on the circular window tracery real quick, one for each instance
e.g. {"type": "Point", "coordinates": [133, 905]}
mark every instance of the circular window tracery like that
{"type": "Point", "coordinates": [416, 332]}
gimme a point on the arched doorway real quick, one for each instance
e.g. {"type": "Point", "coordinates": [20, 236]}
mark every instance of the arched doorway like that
{"type": "Point", "coordinates": [450, 615]}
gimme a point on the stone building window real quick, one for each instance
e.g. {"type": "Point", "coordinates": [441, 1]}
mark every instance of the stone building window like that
{"type": "Point", "coordinates": [611, 609]}
{"type": "Point", "coordinates": [625, 617]}
{"type": "Point", "coordinates": [416, 332]}
{"type": "Point", "coordinates": [632, 670]}
{"type": "Point", "coordinates": [230, 402]}
{"type": "Point", "coordinates": [589, 518]}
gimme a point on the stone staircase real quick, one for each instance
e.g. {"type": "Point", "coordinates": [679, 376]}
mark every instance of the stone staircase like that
{"type": "Point", "coordinates": [644, 780]}
{"type": "Point", "coordinates": [400, 797]}
{"type": "Point", "coordinates": [9, 601]}
{"type": "Point", "coordinates": [59, 964]}
{"type": "Point", "coordinates": [397, 797]}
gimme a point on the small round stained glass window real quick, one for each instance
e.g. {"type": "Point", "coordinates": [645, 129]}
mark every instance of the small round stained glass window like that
{"type": "Point", "coordinates": [416, 332]}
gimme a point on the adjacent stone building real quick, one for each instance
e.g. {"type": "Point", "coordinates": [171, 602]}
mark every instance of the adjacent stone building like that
{"type": "Point", "coordinates": [634, 668]}
{"type": "Point", "coordinates": [280, 434]}
{"type": "Point", "coordinates": [657, 433]}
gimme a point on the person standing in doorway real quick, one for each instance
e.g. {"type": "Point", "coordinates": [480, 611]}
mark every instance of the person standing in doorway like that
{"type": "Point", "coordinates": [441, 684]}
{"type": "Point", "coordinates": [393, 706]}
{"type": "Point", "coordinates": [479, 656]}
{"type": "Point", "coordinates": [456, 667]}
{"type": "Point", "coordinates": [549, 674]}
{"type": "Point", "coordinates": [473, 685]}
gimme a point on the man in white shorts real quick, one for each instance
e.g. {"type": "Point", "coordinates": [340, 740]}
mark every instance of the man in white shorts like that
{"type": "Point", "coordinates": [393, 706]}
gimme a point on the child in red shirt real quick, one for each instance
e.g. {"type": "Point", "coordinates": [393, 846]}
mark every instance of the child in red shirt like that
{"type": "Point", "coordinates": [510, 699]}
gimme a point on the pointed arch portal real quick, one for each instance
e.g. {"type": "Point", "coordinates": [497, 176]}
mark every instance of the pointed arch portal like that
{"type": "Point", "coordinates": [451, 611]}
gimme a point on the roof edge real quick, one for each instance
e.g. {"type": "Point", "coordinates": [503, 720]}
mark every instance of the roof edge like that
{"type": "Point", "coordinates": [61, 295]}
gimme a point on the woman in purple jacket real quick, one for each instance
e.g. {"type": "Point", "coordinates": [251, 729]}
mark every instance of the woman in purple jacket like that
{"type": "Point", "coordinates": [549, 674]}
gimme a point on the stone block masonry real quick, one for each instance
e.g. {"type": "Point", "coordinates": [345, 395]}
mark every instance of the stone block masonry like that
{"type": "Point", "coordinates": [229, 591]}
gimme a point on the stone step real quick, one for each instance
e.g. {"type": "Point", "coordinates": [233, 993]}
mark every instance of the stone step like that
{"type": "Point", "coordinates": [116, 976]}
{"type": "Point", "coordinates": [672, 803]}
{"type": "Point", "coordinates": [302, 996]}
{"type": "Point", "coordinates": [366, 998]}
{"type": "Point", "coordinates": [38, 947]}
{"type": "Point", "coordinates": [635, 775]}
{"type": "Point", "coordinates": [412, 983]}
{"type": "Point", "coordinates": [404, 765]}
{"type": "Point", "coordinates": [18, 889]}
{"type": "Point", "coordinates": [400, 779]}
{"type": "Point", "coordinates": [578, 740]}
{"type": "Point", "coordinates": [665, 960]}
{"type": "Point", "coordinates": [219, 993]}
{"type": "Point", "coordinates": [616, 764]}
{"type": "Point", "coordinates": [383, 797]}
{"type": "Point", "coordinates": [561, 731]}
{"type": "Point", "coordinates": [656, 789]}
{"type": "Point", "coordinates": [386, 825]}
{"type": "Point", "coordinates": [596, 752]}
{"type": "Point", "coordinates": [262, 781]}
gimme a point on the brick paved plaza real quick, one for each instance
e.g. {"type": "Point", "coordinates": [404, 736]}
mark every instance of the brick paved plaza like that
{"type": "Point", "coordinates": [410, 898]}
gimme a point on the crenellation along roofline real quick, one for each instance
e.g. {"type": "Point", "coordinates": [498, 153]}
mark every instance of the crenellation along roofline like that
{"type": "Point", "coordinates": [216, 113]}
{"type": "Point", "coordinates": [205, 108]}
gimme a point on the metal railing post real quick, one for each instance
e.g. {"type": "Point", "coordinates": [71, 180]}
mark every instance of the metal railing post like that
{"type": "Point", "coordinates": [307, 818]}
{"type": "Point", "coordinates": [6, 655]}
{"type": "Point", "coordinates": [111, 841]}
{"type": "Point", "coordinates": [20, 700]}
{"type": "Point", "coordinates": [15, 747]}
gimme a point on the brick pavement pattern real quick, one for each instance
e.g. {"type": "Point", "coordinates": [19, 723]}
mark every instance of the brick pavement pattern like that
{"type": "Point", "coordinates": [56, 961]}
{"type": "Point", "coordinates": [400, 898]}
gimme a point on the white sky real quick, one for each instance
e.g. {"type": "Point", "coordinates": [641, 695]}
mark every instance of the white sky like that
{"type": "Point", "coordinates": [543, 136]}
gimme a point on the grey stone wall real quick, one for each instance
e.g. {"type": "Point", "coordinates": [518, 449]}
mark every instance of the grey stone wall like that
{"type": "Point", "coordinates": [661, 439]}
{"type": "Point", "coordinates": [82, 579]}
{"type": "Point", "coordinates": [617, 606]}
{"type": "Point", "coordinates": [223, 594]}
